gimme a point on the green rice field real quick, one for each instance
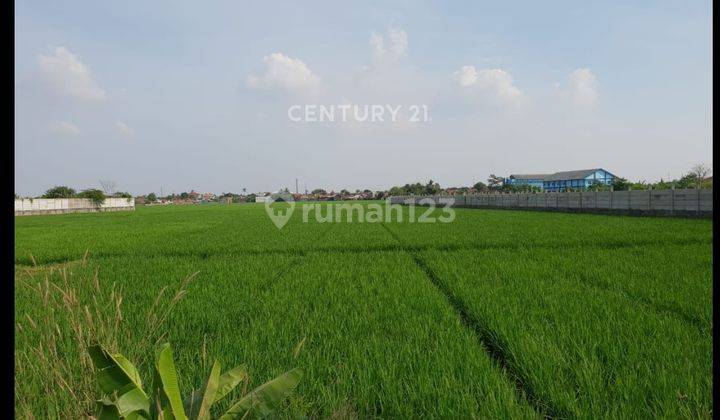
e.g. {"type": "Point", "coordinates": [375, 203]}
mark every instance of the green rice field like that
{"type": "Point", "coordinates": [511, 314]}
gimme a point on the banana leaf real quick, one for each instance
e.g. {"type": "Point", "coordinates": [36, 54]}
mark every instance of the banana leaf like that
{"type": "Point", "coordinates": [266, 398]}
{"type": "Point", "coordinates": [202, 399]}
{"type": "Point", "coordinates": [228, 381]}
{"type": "Point", "coordinates": [167, 387]}
{"type": "Point", "coordinates": [107, 410]}
{"type": "Point", "coordinates": [119, 379]}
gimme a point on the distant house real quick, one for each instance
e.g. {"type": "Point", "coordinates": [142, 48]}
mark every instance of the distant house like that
{"type": "Point", "coordinates": [561, 181]}
{"type": "Point", "coordinates": [329, 197]}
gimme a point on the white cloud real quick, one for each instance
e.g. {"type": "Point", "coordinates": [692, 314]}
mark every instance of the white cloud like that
{"type": "Point", "coordinates": [583, 87]}
{"type": "Point", "coordinates": [67, 75]}
{"type": "Point", "coordinates": [494, 83]}
{"type": "Point", "coordinates": [64, 128]}
{"type": "Point", "coordinates": [393, 45]}
{"type": "Point", "coordinates": [283, 72]}
{"type": "Point", "coordinates": [377, 43]}
{"type": "Point", "coordinates": [466, 76]}
{"type": "Point", "coordinates": [124, 129]}
{"type": "Point", "coordinates": [387, 77]}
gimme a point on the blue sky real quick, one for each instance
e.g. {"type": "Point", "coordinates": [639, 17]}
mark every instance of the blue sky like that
{"type": "Point", "coordinates": [188, 95]}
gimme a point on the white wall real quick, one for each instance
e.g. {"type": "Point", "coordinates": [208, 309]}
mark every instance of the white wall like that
{"type": "Point", "coordinates": [51, 204]}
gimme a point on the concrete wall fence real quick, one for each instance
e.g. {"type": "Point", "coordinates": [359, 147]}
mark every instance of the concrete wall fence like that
{"type": "Point", "coordinates": [27, 206]}
{"type": "Point", "coordinates": [695, 202]}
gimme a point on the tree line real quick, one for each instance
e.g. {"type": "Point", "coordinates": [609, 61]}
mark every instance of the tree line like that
{"type": "Point", "coordinates": [95, 195]}
{"type": "Point", "coordinates": [696, 178]}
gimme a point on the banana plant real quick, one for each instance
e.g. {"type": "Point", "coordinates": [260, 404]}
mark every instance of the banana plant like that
{"type": "Point", "coordinates": [125, 398]}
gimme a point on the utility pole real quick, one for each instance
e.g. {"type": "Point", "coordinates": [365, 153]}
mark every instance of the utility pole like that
{"type": "Point", "coordinates": [297, 190]}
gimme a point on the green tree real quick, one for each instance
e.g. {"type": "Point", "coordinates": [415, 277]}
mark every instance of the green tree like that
{"type": "Point", "coordinates": [397, 191]}
{"type": "Point", "coordinates": [432, 188]}
{"type": "Point", "coordinates": [522, 188]}
{"type": "Point", "coordinates": [663, 185]}
{"type": "Point", "coordinates": [620, 184]}
{"type": "Point", "coordinates": [641, 185]}
{"type": "Point", "coordinates": [598, 186]}
{"type": "Point", "coordinates": [319, 191]}
{"type": "Point", "coordinates": [701, 171]}
{"type": "Point", "coordinates": [495, 182]}
{"type": "Point", "coordinates": [121, 194]}
{"type": "Point", "coordinates": [96, 196]}
{"type": "Point", "coordinates": [151, 197]}
{"type": "Point", "coordinates": [480, 186]}
{"type": "Point", "coordinates": [690, 180]}
{"type": "Point", "coordinates": [59, 191]}
{"type": "Point", "coordinates": [696, 178]}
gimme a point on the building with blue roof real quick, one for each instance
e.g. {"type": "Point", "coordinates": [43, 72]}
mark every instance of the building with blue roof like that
{"type": "Point", "coordinates": [562, 181]}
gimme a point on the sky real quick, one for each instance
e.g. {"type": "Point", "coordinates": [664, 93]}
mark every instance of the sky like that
{"type": "Point", "coordinates": [173, 96]}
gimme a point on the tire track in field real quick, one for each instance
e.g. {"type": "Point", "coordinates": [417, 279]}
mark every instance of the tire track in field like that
{"type": "Point", "coordinates": [489, 340]}
{"type": "Point", "coordinates": [662, 309]}
{"type": "Point", "coordinates": [659, 308]}
{"type": "Point", "coordinates": [297, 260]}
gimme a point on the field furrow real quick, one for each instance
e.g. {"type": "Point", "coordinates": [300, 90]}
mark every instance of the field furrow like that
{"type": "Point", "coordinates": [583, 349]}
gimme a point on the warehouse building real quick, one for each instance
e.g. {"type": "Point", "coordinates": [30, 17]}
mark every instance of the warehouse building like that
{"type": "Point", "coordinates": [561, 181]}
